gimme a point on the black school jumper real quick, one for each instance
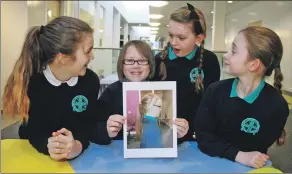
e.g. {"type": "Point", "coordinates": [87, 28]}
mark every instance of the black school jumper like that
{"type": "Point", "coordinates": [179, 70]}
{"type": "Point", "coordinates": [55, 107]}
{"type": "Point", "coordinates": [226, 124]}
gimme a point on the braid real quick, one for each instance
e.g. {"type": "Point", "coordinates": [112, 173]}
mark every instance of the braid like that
{"type": "Point", "coordinates": [199, 85]}
{"type": "Point", "coordinates": [282, 139]}
{"type": "Point", "coordinates": [163, 56]}
{"type": "Point", "coordinates": [278, 77]}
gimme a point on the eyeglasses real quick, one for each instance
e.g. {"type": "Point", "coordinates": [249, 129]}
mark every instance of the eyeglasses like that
{"type": "Point", "coordinates": [132, 62]}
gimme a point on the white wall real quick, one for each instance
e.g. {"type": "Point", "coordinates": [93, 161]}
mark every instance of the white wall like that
{"type": "Point", "coordinates": [138, 32]}
{"type": "Point", "coordinates": [13, 29]}
{"type": "Point", "coordinates": [276, 16]}
{"type": "Point", "coordinates": [36, 13]}
{"type": "Point", "coordinates": [137, 11]}
{"type": "Point", "coordinates": [107, 35]}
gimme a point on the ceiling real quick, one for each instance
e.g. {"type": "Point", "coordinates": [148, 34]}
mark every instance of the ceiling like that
{"type": "Point", "coordinates": [205, 6]}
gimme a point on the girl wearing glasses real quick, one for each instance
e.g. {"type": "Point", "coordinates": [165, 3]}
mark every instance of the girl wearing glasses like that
{"type": "Point", "coordinates": [136, 63]}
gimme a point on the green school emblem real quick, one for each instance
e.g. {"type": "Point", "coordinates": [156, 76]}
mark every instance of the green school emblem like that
{"type": "Point", "coordinates": [195, 73]}
{"type": "Point", "coordinates": [79, 103]}
{"type": "Point", "coordinates": [250, 125]}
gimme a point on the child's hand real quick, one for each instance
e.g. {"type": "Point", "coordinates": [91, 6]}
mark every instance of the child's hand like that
{"type": "Point", "coordinates": [74, 146]}
{"type": "Point", "coordinates": [57, 150]}
{"type": "Point", "coordinates": [182, 127]}
{"type": "Point", "coordinates": [114, 125]}
{"type": "Point", "coordinates": [63, 146]}
{"type": "Point", "coordinates": [253, 159]}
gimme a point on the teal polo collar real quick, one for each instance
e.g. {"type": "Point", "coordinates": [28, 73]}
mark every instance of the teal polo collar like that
{"type": "Point", "coordinates": [150, 118]}
{"type": "Point", "coordinates": [172, 55]}
{"type": "Point", "coordinates": [251, 97]}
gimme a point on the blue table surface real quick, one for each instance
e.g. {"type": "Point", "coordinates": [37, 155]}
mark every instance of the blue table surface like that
{"type": "Point", "coordinates": [110, 159]}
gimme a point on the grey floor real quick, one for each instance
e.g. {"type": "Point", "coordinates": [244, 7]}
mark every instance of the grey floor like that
{"type": "Point", "coordinates": [281, 157]}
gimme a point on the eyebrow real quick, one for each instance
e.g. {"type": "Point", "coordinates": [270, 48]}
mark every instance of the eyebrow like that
{"type": "Point", "coordinates": [233, 45]}
{"type": "Point", "coordinates": [141, 58]}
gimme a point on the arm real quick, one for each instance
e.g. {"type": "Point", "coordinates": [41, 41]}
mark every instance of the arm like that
{"type": "Point", "coordinates": [40, 126]}
{"type": "Point", "coordinates": [208, 141]}
{"type": "Point", "coordinates": [273, 128]}
{"type": "Point", "coordinates": [99, 132]}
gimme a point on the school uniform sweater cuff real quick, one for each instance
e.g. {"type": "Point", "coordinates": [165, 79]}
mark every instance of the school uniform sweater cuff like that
{"type": "Point", "coordinates": [83, 140]}
{"type": "Point", "coordinates": [100, 134]}
{"type": "Point", "coordinates": [231, 154]}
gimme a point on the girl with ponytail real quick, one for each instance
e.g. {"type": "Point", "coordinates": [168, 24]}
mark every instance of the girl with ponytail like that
{"type": "Point", "coordinates": [240, 118]}
{"type": "Point", "coordinates": [186, 61]}
{"type": "Point", "coordinates": [52, 89]}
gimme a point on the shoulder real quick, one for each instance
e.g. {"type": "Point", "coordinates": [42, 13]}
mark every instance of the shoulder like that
{"type": "Point", "coordinates": [276, 98]}
{"type": "Point", "coordinates": [112, 91]}
{"type": "Point", "coordinates": [90, 77]}
{"type": "Point", "coordinates": [115, 86]}
{"type": "Point", "coordinates": [220, 85]}
{"type": "Point", "coordinates": [210, 57]}
{"type": "Point", "coordinates": [91, 74]}
{"type": "Point", "coordinates": [35, 83]}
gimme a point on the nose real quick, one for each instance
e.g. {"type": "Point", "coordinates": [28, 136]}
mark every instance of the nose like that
{"type": "Point", "coordinates": [225, 56]}
{"type": "Point", "coordinates": [173, 41]}
{"type": "Point", "coordinates": [91, 57]}
{"type": "Point", "coordinates": [136, 65]}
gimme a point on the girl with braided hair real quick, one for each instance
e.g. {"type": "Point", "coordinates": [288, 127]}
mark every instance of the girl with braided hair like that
{"type": "Point", "coordinates": [186, 61]}
{"type": "Point", "coordinates": [148, 131]}
{"type": "Point", "coordinates": [240, 118]}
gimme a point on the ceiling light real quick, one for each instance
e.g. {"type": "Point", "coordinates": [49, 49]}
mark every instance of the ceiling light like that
{"type": "Point", "coordinates": [158, 3]}
{"type": "Point", "coordinates": [32, 3]}
{"type": "Point", "coordinates": [50, 13]}
{"type": "Point", "coordinates": [153, 32]}
{"type": "Point", "coordinates": [154, 24]}
{"type": "Point", "coordinates": [211, 26]}
{"type": "Point", "coordinates": [212, 11]}
{"type": "Point", "coordinates": [101, 31]}
{"type": "Point", "coordinates": [154, 28]}
{"type": "Point", "coordinates": [121, 27]}
{"type": "Point", "coordinates": [156, 16]}
{"type": "Point", "coordinates": [167, 25]}
{"type": "Point", "coordinates": [229, 2]}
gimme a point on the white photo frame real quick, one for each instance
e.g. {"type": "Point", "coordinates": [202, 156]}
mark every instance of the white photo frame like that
{"type": "Point", "coordinates": [152, 135]}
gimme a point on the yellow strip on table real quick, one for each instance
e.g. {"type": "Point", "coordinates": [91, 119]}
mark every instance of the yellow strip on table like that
{"type": "Point", "coordinates": [19, 156]}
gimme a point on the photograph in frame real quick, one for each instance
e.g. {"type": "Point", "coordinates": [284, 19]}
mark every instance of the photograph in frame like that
{"type": "Point", "coordinates": [150, 108]}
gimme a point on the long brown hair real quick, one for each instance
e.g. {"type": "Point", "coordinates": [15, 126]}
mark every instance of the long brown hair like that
{"type": "Point", "coordinates": [264, 44]}
{"type": "Point", "coordinates": [183, 15]}
{"type": "Point", "coordinates": [40, 48]}
{"type": "Point", "coordinates": [144, 49]}
{"type": "Point", "coordinates": [142, 110]}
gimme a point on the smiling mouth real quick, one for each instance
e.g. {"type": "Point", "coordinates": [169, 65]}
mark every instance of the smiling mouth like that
{"type": "Point", "coordinates": [136, 73]}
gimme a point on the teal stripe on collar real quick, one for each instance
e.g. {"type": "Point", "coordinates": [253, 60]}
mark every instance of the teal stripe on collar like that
{"type": "Point", "coordinates": [172, 55]}
{"type": "Point", "coordinates": [150, 118]}
{"type": "Point", "coordinates": [252, 96]}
